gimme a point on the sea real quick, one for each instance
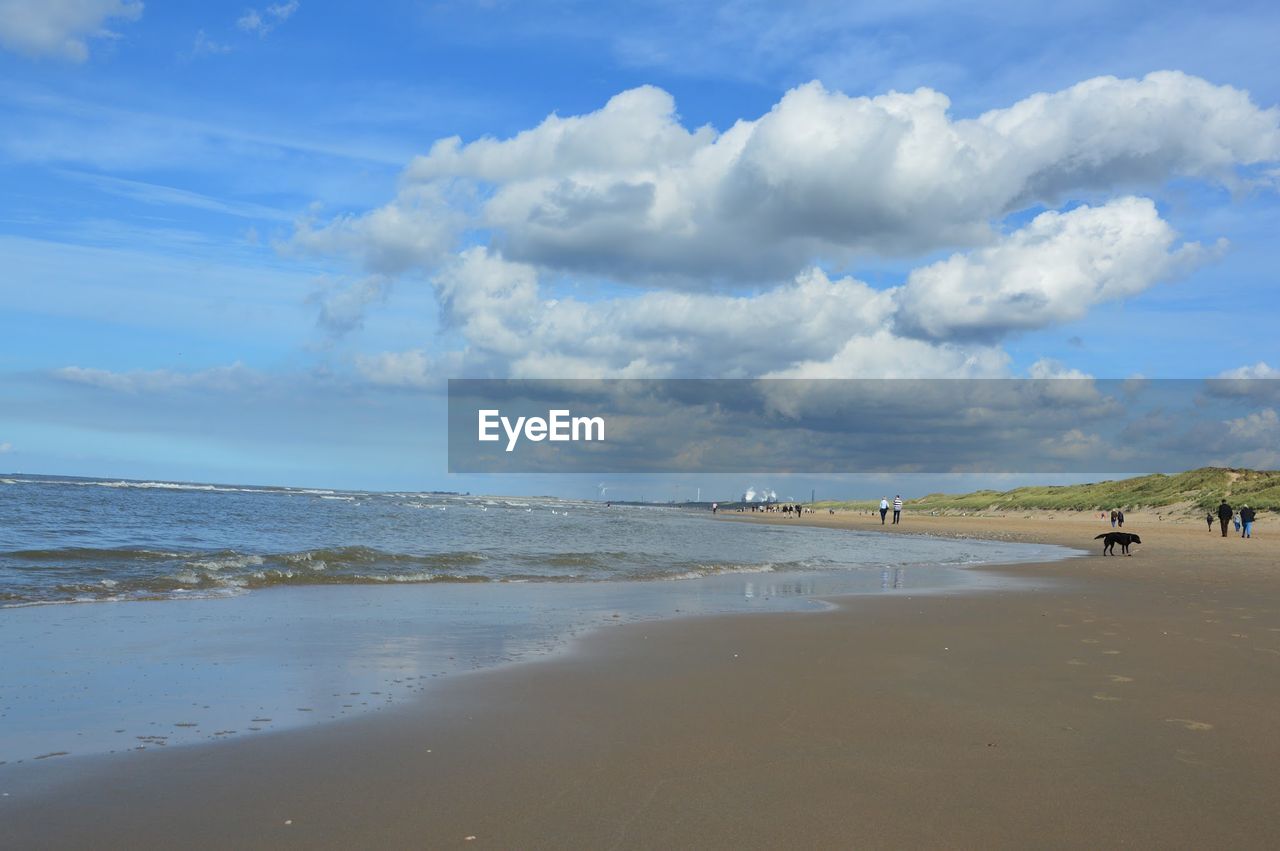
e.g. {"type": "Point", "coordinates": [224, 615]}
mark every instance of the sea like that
{"type": "Point", "coordinates": [78, 540]}
{"type": "Point", "coordinates": [144, 614]}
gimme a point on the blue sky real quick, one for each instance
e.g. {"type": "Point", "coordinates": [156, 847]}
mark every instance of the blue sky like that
{"type": "Point", "coordinates": [231, 252]}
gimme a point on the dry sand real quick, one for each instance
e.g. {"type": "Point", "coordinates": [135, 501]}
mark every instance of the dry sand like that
{"type": "Point", "coordinates": [1129, 701]}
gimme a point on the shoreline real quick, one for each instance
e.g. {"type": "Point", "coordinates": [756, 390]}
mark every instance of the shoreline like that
{"type": "Point", "coordinates": [147, 674]}
{"type": "Point", "coordinates": [913, 719]}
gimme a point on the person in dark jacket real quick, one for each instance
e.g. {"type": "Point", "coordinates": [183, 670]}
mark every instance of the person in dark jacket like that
{"type": "Point", "coordinates": [1224, 516]}
{"type": "Point", "coordinates": [1246, 520]}
{"type": "Point", "coordinates": [1208, 518]}
{"type": "Point", "coordinates": [1120, 518]}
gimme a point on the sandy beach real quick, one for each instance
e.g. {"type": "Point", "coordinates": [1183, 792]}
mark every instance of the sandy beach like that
{"type": "Point", "coordinates": [1122, 701]}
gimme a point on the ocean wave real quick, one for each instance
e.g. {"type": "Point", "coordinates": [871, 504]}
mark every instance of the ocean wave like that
{"type": "Point", "coordinates": [92, 554]}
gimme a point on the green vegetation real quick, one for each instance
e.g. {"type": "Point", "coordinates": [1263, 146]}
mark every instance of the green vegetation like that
{"type": "Point", "coordinates": [1193, 491]}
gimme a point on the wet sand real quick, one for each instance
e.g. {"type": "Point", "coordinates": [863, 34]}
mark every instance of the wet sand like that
{"type": "Point", "coordinates": [1127, 701]}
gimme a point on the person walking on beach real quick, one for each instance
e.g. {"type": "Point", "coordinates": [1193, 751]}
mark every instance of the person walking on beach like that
{"type": "Point", "coordinates": [884, 509]}
{"type": "Point", "coordinates": [1113, 518]}
{"type": "Point", "coordinates": [1120, 518]}
{"type": "Point", "coordinates": [1208, 518]}
{"type": "Point", "coordinates": [897, 509]}
{"type": "Point", "coordinates": [1246, 520]}
{"type": "Point", "coordinates": [1224, 516]}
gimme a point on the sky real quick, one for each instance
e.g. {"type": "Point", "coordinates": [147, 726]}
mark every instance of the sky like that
{"type": "Point", "coordinates": [248, 242]}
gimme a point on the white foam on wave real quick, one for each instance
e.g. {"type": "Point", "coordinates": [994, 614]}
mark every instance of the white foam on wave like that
{"type": "Point", "coordinates": [168, 486]}
{"type": "Point", "coordinates": [703, 571]}
{"type": "Point", "coordinates": [232, 563]}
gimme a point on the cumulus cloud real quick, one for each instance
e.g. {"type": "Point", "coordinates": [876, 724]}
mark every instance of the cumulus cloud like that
{"type": "Point", "coordinates": [1254, 439]}
{"type": "Point", "coordinates": [1258, 381]}
{"type": "Point", "coordinates": [737, 238]}
{"type": "Point", "coordinates": [814, 326]}
{"type": "Point", "coordinates": [1050, 272]}
{"type": "Point", "coordinates": [511, 327]}
{"type": "Point", "coordinates": [60, 28]}
{"type": "Point", "coordinates": [417, 229]}
{"type": "Point", "coordinates": [1256, 427]}
{"type": "Point", "coordinates": [1261, 369]}
{"type": "Point", "coordinates": [629, 192]}
{"type": "Point", "coordinates": [231, 378]}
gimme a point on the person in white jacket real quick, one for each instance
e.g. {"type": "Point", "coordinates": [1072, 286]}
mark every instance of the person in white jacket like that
{"type": "Point", "coordinates": [897, 509]}
{"type": "Point", "coordinates": [884, 509]}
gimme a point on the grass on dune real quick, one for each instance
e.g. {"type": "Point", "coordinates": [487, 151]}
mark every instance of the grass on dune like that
{"type": "Point", "coordinates": [1195, 491]}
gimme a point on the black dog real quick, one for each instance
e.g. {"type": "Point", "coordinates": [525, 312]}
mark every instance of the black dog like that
{"type": "Point", "coordinates": [1124, 539]}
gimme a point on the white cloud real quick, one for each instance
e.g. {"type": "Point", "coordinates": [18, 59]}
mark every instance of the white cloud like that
{"type": "Point", "coordinates": [413, 368]}
{"type": "Point", "coordinates": [417, 229]}
{"type": "Point", "coordinates": [237, 376]}
{"type": "Point", "coordinates": [772, 206]}
{"type": "Point", "coordinates": [1259, 427]}
{"type": "Point", "coordinates": [1252, 440]}
{"type": "Point", "coordinates": [631, 193]}
{"type": "Point", "coordinates": [1258, 370]}
{"type": "Point", "coordinates": [1050, 368]}
{"type": "Point", "coordinates": [261, 23]}
{"type": "Point", "coordinates": [1050, 272]}
{"type": "Point", "coordinates": [341, 308]}
{"type": "Point", "coordinates": [60, 28]}
{"type": "Point", "coordinates": [205, 46]}
{"type": "Point", "coordinates": [6, 447]}
{"type": "Point", "coordinates": [813, 326]}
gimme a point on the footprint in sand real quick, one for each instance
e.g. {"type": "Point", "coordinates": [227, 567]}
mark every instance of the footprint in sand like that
{"type": "Point", "coordinates": [1106, 697]}
{"type": "Point", "coordinates": [1110, 652]}
{"type": "Point", "coordinates": [1076, 662]}
{"type": "Point", "coordinates": [1119, 678]}
{"type": "Point", "coordinates": [1238, 635]}
{"type": "Point", "coordinates": [1198, 726]}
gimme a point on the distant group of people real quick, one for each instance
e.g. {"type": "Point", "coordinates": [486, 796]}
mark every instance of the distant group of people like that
{"type": "Point", "coordinates": [789, 509]}
{"type": "Point", "coordinates": [1242, 519]}
{"type": "Point", "coordinates": [1117, 518]}
{"type": "Point", "coordinates": [897, 509]}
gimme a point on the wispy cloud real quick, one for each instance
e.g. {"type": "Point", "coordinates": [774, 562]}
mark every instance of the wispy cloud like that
{"type": "Point", "coordinates": [205, 46]}
{"type": "Point", "coordinates": [234, 378]}
{"type": "Point", "coordinates": [262, 22]}
{"type": "Point", "coordinates": [160, 195]}
{"type": "Point", "coordinates": [44, 127]}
